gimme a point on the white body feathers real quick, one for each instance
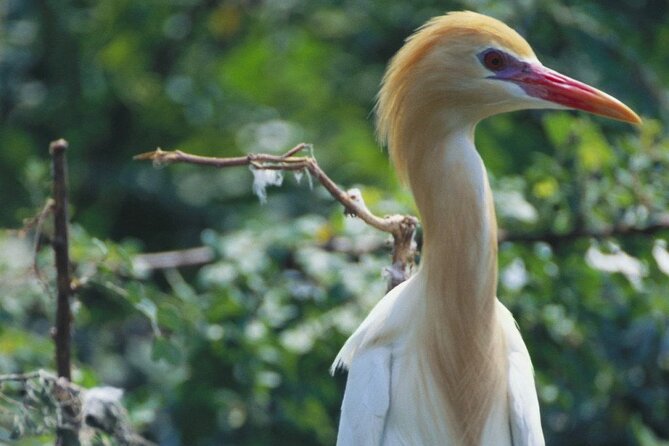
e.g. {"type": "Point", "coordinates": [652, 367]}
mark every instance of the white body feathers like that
{"type": "Point", "coordinates": [384, 406]}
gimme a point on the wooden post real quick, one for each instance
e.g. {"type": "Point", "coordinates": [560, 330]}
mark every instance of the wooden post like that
{"type": "Point", "coordinates": [62, 335]}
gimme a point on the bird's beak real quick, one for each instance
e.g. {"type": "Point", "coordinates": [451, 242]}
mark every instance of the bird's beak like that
{"type": "Point", "coordinates": [544, 83]}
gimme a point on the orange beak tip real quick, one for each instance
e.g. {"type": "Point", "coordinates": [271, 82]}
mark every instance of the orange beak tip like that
{"type": "Point", "coordinates": [624, 114]}
{"type": "Point", "coordinates": [544, 83]}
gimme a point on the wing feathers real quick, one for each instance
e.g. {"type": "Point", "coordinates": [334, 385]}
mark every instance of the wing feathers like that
{"type": "Point", "coordinates": [367, 399]}
{"type": "Point", "coordinates": [524, 415]}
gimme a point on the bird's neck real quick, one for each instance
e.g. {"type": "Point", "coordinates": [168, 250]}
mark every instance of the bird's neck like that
{"type": "Point", "coordinates": [463, 342]}
{"type": "Point", "coordinates": [451, 189]}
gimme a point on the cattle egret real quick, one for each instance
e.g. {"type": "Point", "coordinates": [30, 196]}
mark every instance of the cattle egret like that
{"type": "Point", "coordinates": [439, 360]}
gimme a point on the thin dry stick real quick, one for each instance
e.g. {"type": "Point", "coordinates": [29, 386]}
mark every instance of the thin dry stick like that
{"type": "Point", "coordinates": [199, 255]}
{"type": "Point", "coordinates": [24, 376]}
{"type": "Point", "coordinates": [401, 227]}
{"type": "Point", "coordinates": [659, 224]}
{"type": "Point", "coordinates": [36, 223]}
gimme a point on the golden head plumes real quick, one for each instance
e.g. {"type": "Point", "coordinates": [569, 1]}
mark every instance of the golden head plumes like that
{"type": "Point", "coordinates": [435, 70]}
{"type": "Point", "coordinates": [441, 69]}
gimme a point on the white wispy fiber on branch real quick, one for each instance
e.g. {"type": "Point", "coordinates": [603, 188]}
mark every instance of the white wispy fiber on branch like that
{"type": "Point", "coordinates": [403, 227]}
{"type": "Point", "coordinates": [263, 178]}
{"type": "Point", "coordinates": [267, 170]}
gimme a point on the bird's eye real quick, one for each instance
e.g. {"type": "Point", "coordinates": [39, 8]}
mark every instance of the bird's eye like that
{"type": "Point", "coordinates": [494, 60]}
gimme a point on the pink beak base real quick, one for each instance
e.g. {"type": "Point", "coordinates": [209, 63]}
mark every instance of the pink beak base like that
{"type": "Point", "coordinates": [544, 83]}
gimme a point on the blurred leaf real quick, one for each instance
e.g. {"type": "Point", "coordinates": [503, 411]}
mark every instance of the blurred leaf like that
{"type": "Point", "coordinates": [164, 350]}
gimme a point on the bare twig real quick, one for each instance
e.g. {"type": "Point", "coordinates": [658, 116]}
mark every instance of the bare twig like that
{"type": "Point", "coordinates": [661, 223]}
{"type": "Point", "coordinates": [201, 255]}
{"type": "Point", "coordinates": [24, 376]}
{"type": "Point", "coordinates": [38, 222]}
{"type": "Point", "coordinates": [401, 227]}
{"type": "Point", "coordinates": [345, 245]}
{"type": "Point", "coordinates": [174, 259]}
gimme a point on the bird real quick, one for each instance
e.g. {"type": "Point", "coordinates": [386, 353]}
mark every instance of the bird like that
{"type": "Point", "coordinates": [439, 360]}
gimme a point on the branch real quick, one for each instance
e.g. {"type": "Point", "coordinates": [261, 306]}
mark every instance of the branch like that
{"type": "Point", "coordinates": [24, 376]}
{"type": "Point", "coordinates": [39, 221]}
{"type": "Point", "coordinates": [661, 223]}
{"type": "Point", "coordinates": [174, 259]}
{"type": "Point", "coordinates": [401, 227]}
{"type": "Point", "coordinates": [60, 245]}
{"type": "Point", "coordinates": [62, 333]}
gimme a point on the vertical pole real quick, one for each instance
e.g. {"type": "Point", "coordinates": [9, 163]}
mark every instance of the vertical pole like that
{"type": "Point", "coordinates": [65, 435]}
{"type": "Point", "coordinates": [60, 244]}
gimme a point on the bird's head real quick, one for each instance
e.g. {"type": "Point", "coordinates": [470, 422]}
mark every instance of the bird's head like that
{"type": "Point", "coordinates": [462, 67]}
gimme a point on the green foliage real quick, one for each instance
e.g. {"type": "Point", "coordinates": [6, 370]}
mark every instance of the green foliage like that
{"type": "Point", "coordinates": [237, 351]}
